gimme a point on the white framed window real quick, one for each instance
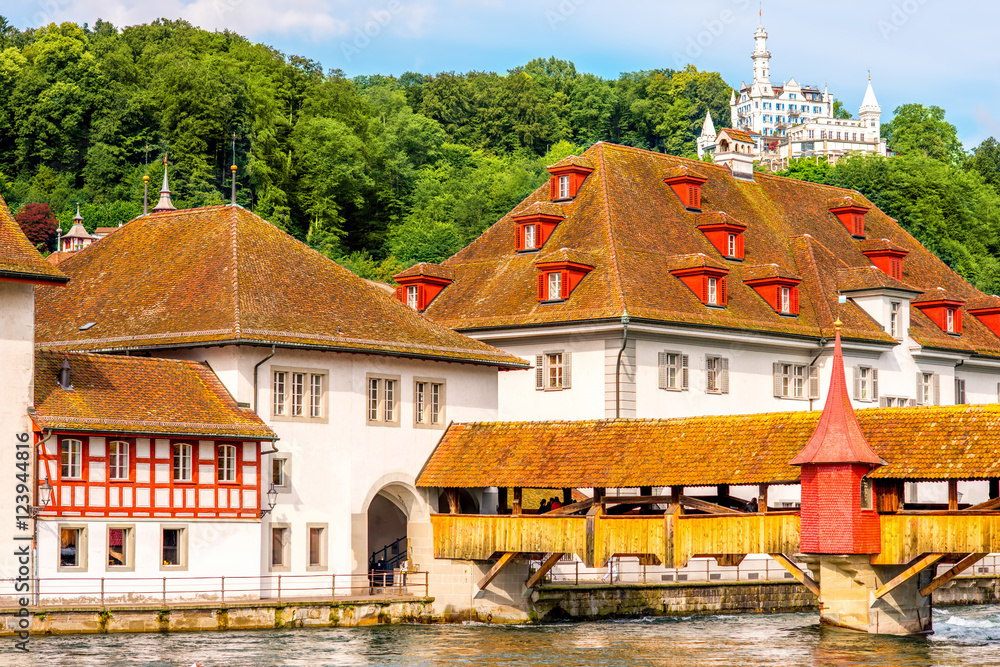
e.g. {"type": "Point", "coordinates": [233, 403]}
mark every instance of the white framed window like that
{"type": "Point", "coordinates": [121, 549]}
{"type": "Point", "coordinates": [281, 472]}
{"type": "Point", "coordinates": [732, 245]}
{"type": "Point", "coordinates": [72, 548]}
{"type": "Point", "coordinates": [950, 320]}
{"type": "Point", "coordinates": [866, 493]}
{"type": "Point", "coordinates": [173, 548]}
{"type": "Point", "coordinates": [673, 371]}
{"type": "Point", "coordinates": [118, 460]}
{"type": "Point", "coordinates": [281, 546]}
{"type": "Point", "coordinates": [553, 370]}
{"type": "Point", "coordinates": [894, 315]}
{"type": "Point", "coordinates": [299, 394]}
{"type": "Point", "coordinates": [428, 402]}
{"type": "Point", "coordinates": [226, 463]}
{"type": "Point", "coordinates": [896, 401]}
{"type": "Point", "coordinates": [563, 187]}
{"type": "Point", "coordinates": [316, 546]}
{"type": "Point", "coordinates": [865, 384]}
{"type": "Point", "coordinates": [529, 237]}
{"type": "Point", "coordinates": [383, 400]}
{"type": "Point", "coordinates": [960, 391]}
{"type": "Point", "coordinates": [928, 389]}
{"type": "Point", "coordinates": [554, 292]}
{"type": "Point", "coordinates": [412, 296]}
{"type": "Point", "coordinates": [713, 291]}
{"type": "Point", "coordinates": [71, 459]}
{"type": "Point", "coordinates": [795, 380]}
{"type": "Point", "coordinates": [786, 299]}
{"type": "Point", "coordinates": [182, 462]}
{"type": "Point", "coordinates": [716, 375]}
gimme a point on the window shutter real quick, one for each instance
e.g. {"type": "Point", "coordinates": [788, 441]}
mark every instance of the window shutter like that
{"type": "Point", "coordinates": [920, 388]}
{"type": "Point", "coordinates": [704, 289]}
{"type": "Point", "coordinates": [567, 370]}
{"type": "Point", "coordinates": [776, 369]}
{"type": "Point", "coordinates": [421, 297]}
{"type": "Point", "coordinates": [661, 358]}
{"type": "Point", "coordinates": [883, 403]}
{"type": "Point", "coordinates": [874, 396]}
{"type": "Point", "coordinates": [739, 246]}
{"type": "Point", "coordinates": [518, 237]}
{"type": "Point", "coordinates": [723, 297]}
{"type": "Point", "coordinates": [793, 299]}
{"type": "Point", "coordinates": [911, 402]}
{"type": "Point", "coordinates": [539, 371]}
{"type": "Point", "coordinates": [814, 382]}
{"type": "Point", "coordinates": [541, 286]}
{"type": "Point", "coordinates": [724, 379]}
{"type": "Point", "coordinates": [857, 383]}
{"type": "Point", "coordinates": [564, 285]}
{"type": "Point", "coordinates": [553, 184]}
{"type": "Point", "coordinates": [936, 379]}
{"type": "Point", "coordinates": [684, 374]}
{"type": "Point", "coordinates": [399, 295]}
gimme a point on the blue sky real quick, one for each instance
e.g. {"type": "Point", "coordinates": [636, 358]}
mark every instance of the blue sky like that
{"type": "Point", "coordinates": [926, 51]}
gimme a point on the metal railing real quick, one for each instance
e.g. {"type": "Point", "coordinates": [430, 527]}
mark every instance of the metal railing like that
{"type": "Point", "coordinates": [630, 571]}
{"type": "Point", "coordinates": [393, 554]}
{"type": "Point", "coordinates": [162, 591]}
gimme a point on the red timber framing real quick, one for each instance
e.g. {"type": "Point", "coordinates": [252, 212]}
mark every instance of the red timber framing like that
{"type": "Point", "coordinates": [150, 489]}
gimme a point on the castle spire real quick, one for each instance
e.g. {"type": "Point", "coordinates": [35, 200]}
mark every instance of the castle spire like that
{"type": "Point", "coordinates": [164, 204]}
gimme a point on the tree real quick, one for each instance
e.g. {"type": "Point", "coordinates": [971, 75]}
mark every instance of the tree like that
{"type": "Point", "coordinates": [839, 111]}
{"type": "Point", "coordinates": [985, 160]}
{"type": "Point", "coordinates": [919, 130]}
{"type": "Point", "coordinates": [38, 224]}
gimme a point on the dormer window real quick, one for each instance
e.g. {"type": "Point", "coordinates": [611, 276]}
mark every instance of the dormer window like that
{"type": "Point", "coordinates": [713, 292]}
{"type": "Point", "coordinates": [686, 184]}
{"type": "Point", "coordinates": [886, 255]}
{"type": "Point", "coordinates": [559, 275]}
{"type": "Point", "coordinates": [704, 277]}
{"type": "Point", "coordinates": [564, 187]}
{"type": "Point", "coordinates": [786, 299]}
{"type": "Point", "coordinates": [534, 225]}
{"type": "Point", "coordinates": [725, 233]}
{"type": "Point", "coordinates": [851, 213]}
{"type": "Point", "coordinates": [529, 237]}
{"type": "Point", "coordinates": [950, 320]}
{"type": "Point", "coordinates": [778, 288]}
{"type": "Point", "coordinates": [987, 310]}
{"type": "Point", "coordinates": [555, 286]}
{"type": "Point", "coordinates": [420, 284]}
{"type": "Point", "coordinates": [567, 177]}
{"type": "Point", "coordinates": [731, 245]}
{"type": "Point", "coordinates": [412, 292]}
{"type": "Point", "coordinates": [943, 310]}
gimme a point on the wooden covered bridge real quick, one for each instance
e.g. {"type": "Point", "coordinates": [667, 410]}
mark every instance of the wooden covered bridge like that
{"type": "Point", "coordinates": [870, 554]}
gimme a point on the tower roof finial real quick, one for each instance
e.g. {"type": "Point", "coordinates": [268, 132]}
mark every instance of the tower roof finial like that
{"type": "Point", "coordinates": [164, 204]}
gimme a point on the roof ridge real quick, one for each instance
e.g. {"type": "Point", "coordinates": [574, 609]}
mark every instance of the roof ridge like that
{"type": "Point", "coordinates": [819, 303]}
{"type": "Point", "coordinates": [612, 242]}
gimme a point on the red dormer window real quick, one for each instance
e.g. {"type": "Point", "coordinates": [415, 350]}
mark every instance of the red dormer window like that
{"type": "Point", "coordinates": [886, 256]}
{"type": "Point", "coordinates": [686, 184]}
{"type": "Point", "coordinates": [533, 229]}
{"type": "Point", "coordinates": [725, 233]}
{"type": "Point", "coordinates": [781, 293]}
{"type": "Point", "coordinates": [946, 313]}
{"type": "Point", "coordinates": [707, 283]}
{"type": "Point", "coordinates": [851, 214]}
{"type": "Point", "coordinates": [557, 279]}
{"type": "Point", "coordinates": [420, 285]}
{"type": "Point", "coordinates": [987, 311]}
{"type": "Point", "coordinates": [567, 176]}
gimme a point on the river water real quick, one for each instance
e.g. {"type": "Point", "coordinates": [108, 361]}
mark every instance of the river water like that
{"type": "Point", "coordinates": [963, 636]}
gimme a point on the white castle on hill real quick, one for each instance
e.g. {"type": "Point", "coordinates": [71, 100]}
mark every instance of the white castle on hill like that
{"type": "Point", "coordinates": [791, 120]}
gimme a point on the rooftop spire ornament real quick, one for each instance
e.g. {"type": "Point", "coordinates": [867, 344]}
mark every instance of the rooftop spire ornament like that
{"type": "Point", "coordinates": [164, 204]}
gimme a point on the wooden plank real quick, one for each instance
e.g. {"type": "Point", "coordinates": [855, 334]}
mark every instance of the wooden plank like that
{"type": "Point", "coordinates": [451, 494]}
{"type": "Point", "coordinates": [571, 509]}
{"type": "Point", "coordinates": [958, 569]}
{"type": "Point", "coordinates": [705, 506]}
{"type": "Point", "coordinates": [762, 497]}
{"type": "Point", "coordinates": [915, 568]}
{"type": "Point", "coordinates": [516, 503]}
{"type": "Point", "coordinates": [501, 563]}
{"type": "Point", "coordinates": [543, 570]}
{"type": "Point", "coordinates": [799, 575]}
{"type": "Point", "coordinates": [991, 504]}
{"type": "Point", "coordinates": [952, 494]}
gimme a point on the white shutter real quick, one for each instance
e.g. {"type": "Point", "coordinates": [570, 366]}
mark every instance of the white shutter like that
{"type": "Point", "coordinates": [920, 388]}
{"type": "Point", "coordinates": [776, 369]}
{"type": "Point", "coordinates": [567, 369]}
{"type": "Point", "coordinates": [814, 382]}
{"type": "Point", "coordinates": [684, 374]}
{"type": "Point", "coordinates": [911, 402]}
{"type": "Point", "coordinates": [662, 367]}
{"type": "Point", "coordinates": [883, 402]}
{"type": "Point", "coordinates": [709, 367]}
{"type": "Point", "coordinates": [936, 379]}
{"type": "Point", "coordinates": [874, 396]}
{"type": "Point", "coordinates": [539, 371]}
{"type": "Point", "coordinates": [724, 383]}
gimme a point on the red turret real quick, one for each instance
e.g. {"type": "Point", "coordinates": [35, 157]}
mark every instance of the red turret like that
{"type": "Point", "coordinates": [838, 503]}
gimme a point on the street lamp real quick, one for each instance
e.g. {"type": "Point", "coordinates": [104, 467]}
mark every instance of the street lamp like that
{"type": "Point", "coordinates": [44, 499]}
{"type": "Point", "coordinates": [272, 500]}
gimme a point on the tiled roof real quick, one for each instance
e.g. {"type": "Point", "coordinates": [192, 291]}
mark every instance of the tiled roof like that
{"type": "Point", "coordinates": [767, 271]}
{"type": "Point", "coordinates": [539, 208]}
{"type": "Point", "coordinates": [983, 302]}
{"type": "Point", "coordinates": [18, 258]}
{"type": "Point", "coordinates": [695, 261]}
{"type": "Point", "coordinates": [870, 245]}
{"type": "Point", "coordinates": [222, 275]}
{"type": "Point", "coordinates": [567, 255]}
{"type": "Point", "coordinates": [940, 294]}
{"type": "Point", "coordinates": [633, 223]}
{"type": "Point", "coordinates": [738, 135]}
{"type": "Point", "coordinates": [683, 170]}
{"type": "Point", "coordinates": [869, 277]}
{"type": "Point", "coordinates": [573, 161]}
{"type": "Point", "coordinates": [849, 199]}
{"type": "Point", "coordinates": [718, 218]}
{"type": "Point", "coordinates": [923, 443]}
{"type": "Point", "coordinates": [137, 395]}
{"type": "Point", "coordinates": [104, 231]}
{"type": "Point", "coordinates": [427, 269]}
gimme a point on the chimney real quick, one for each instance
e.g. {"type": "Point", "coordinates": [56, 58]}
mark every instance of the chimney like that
{"type": "Point", "coordinates": [64, 377]}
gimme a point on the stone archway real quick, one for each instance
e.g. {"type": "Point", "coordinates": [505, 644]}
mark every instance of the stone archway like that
{"type": "Point", "coordinates": [383, 529]}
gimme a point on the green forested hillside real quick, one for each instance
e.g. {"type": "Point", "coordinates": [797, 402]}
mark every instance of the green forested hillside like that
{"type": "Point", "coordinates": [407, 168]}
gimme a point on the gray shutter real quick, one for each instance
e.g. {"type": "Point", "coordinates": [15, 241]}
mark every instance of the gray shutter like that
{"type": "Point", "coordinates": [776, 369]}
{"type": "Point", "coordinates": [911, 402]}
{"type": "Point", "coordinates": [920, 388]}
{"type": "Point", "coordinates": [814, 382]}
{"type": "Point", "coordinates": [662, 368]}
{"type": "Point", "coordinates": [539, 371]}
{"type": "Point", "coordinates": [567, 370]}
{"type": "Point", "coordinates": [857, 383]}
{"type": "Point", "coordinates": [883, 402]}
{"type": "Point", "coordinates": [709, 373]}
{"type": "Point", "coordinates": [874, 396]}
{"type": "Point", "coordinates": [936, 380]}
{"type": "Point", "coordinates": [684, 374]}
{"type": "Point", "coordinates": [724, 380]}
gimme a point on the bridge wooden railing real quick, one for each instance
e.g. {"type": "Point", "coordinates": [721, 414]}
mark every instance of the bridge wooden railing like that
{"type": "Point", "coordinates": [908, 535]}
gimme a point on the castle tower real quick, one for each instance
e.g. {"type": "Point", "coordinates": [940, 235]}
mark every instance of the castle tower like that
{"type": "Point", "coordinates": [706, 140]}
{"type": "Point", "coordinates": [871, 113]}
{"type": "Point", "coordinates": [761, 57]}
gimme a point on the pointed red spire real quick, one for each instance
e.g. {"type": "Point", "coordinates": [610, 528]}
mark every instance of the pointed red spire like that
{"type": "Point", "coordinates": [838, 437]}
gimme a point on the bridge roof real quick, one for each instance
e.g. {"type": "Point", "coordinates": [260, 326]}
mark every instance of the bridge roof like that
{"type": "Point", "coordinates": [922, 443]}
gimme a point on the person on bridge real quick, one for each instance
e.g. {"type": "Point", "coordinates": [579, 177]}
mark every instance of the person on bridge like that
{"type": "Point", "coordinates": [752, 506]}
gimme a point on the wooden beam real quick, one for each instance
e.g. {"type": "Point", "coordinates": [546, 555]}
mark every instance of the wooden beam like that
{"type": "Point", "coordinates": [502, 500]}
{"type": "Point", "coordinates": [567, 496]}
{"type": "Point", "coordinates": [762, 497]}
{"type": "Point", "coordinates": [952, 494]}
{"type": "Point", "coordinates": [675, 494]}
{"type": "Point", "coordinates": [729, 560]}
{"type": "Point", "coordinates": [516, 504]}
{"type": "Point", "coordinates": [646, 491]}
{"type": "Point", "coordinates": [599, 492]}
{"type": "Point", "coordinates": [501, 563]}
{"type": "Point", "coordinates": [635, 500]}
{"type": "Point", "coordinates": [888, 495]}
{"type": "Point", "coordinates": [800, 576]}
{"type": "Point", "coordinates": [991, 504]}
{"type": "Point", "coordinates": [707, 507]}
{"type": "Point", "coordinates": [958, 569]}
{"type": "Point", "coordinates": [451, 494]}
{"type": "Point", "coordinates": [916, 566]}
{"type": "Point", "coordinates": [571, 509]}
{"type": "Point", "coordinates": [543, 570]}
